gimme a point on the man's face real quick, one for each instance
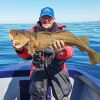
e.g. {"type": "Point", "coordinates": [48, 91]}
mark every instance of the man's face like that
{"type": "Point", "coordinates": [47, 21]}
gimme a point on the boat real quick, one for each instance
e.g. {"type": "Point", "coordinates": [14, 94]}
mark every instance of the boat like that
{"type": "Point", "coordinates": [14, 82]}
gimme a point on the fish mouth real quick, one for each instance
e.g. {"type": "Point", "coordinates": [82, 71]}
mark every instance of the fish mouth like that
{"type": "Point", "coordinates": [18, 45]}
{"type": "Point", "coordinates": [10, 36]}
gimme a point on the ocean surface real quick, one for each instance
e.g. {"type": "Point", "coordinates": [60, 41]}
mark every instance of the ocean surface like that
{"type": "Point", "coordinates": [80, 59]}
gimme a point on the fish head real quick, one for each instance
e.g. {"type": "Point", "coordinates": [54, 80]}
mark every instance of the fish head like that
{"type": "Point", "coordinates": [18, 37]}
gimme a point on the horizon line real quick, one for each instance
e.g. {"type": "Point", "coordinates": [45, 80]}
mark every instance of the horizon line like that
{"type": "Point", "coordinates": [57, 22]}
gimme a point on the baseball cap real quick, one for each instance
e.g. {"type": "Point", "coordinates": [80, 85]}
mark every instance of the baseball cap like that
{"type": "Point", "coordinates": [47, 11]}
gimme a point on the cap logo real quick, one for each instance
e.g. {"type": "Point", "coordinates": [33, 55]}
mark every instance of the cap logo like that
{"type": "Point", "coordinates": [48, 10]}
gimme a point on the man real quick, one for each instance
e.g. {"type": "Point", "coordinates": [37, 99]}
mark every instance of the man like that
{"type": "Point", "coordinates": [48, 67]}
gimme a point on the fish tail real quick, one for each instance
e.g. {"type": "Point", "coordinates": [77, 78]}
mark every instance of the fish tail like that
{"type": "Point", "coordinates": [94, 57]}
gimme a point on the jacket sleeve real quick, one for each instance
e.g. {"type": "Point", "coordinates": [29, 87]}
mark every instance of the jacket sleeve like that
{"type": "Point", "coordinates": [24, 54]}
{"type": "Point", "coordinates": [67, 53]}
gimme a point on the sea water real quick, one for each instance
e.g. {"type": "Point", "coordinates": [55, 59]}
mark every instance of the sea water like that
{"type": "Point", "coordinates": [8, 55]}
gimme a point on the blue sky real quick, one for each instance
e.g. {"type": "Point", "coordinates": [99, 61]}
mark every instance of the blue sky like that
{"type": "Point", "coordinates": [27, 11]}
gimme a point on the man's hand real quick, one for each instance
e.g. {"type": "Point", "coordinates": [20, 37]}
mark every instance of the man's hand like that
{"type": "Point", "coordinates": [58, 46]}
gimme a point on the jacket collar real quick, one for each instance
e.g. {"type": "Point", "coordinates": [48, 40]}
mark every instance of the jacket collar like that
{"type": "Point", "coordinates": [54, 27]}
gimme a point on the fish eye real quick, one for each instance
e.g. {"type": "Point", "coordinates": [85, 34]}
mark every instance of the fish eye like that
{"type": "Point", "coordinates": [16, 33]}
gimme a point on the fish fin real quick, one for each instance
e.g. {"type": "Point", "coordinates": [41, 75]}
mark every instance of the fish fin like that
{"type": "Point", "coordinates": [81, 49]}
{"type": "Point", "coordinates": [94, 57]}
{"type": "Point", "coordinates": [85, 39]}
{"type": "Point", "coordinates": [29, 48]}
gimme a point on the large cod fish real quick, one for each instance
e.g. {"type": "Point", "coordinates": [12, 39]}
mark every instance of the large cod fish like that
{"type": "Point", "coordinates": [42, 40]}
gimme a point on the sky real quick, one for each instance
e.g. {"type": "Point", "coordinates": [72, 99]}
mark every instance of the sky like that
{"type": "Point", "coordinates": [28, 11]}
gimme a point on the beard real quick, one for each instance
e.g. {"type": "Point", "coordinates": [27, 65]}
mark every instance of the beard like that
{"type": "Point", "coordinates": [47, 25]}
